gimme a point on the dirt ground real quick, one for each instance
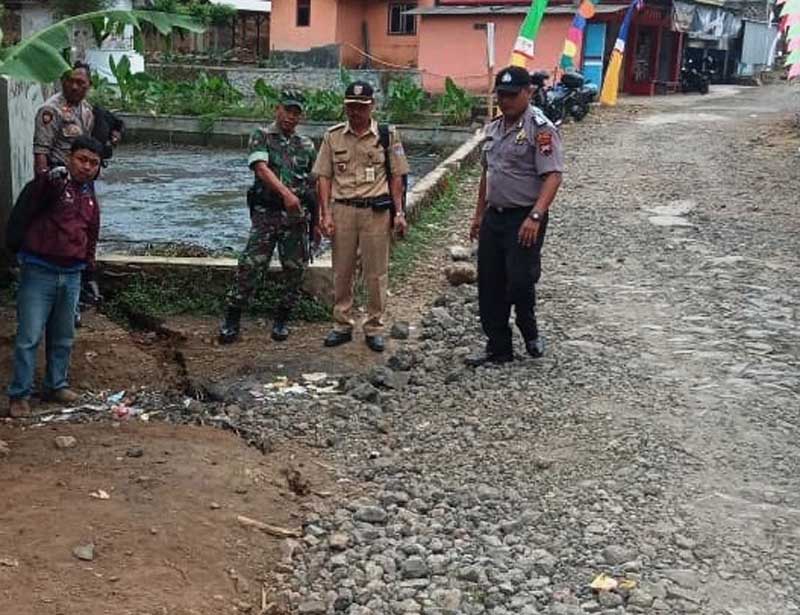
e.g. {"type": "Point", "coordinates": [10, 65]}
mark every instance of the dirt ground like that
{"type": "Point", "coordinates": [166, 541]}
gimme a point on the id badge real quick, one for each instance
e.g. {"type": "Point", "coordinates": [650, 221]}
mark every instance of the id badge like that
{"type": "Point", "coordinates": [370, 174]}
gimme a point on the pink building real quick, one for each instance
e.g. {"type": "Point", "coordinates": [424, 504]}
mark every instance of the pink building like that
{"type": "Point", "coordinates": [380, 30]}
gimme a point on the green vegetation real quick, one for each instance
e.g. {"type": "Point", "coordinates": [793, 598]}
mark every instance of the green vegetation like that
{"type": "Point", "coordinates": [213, 97]}
{"type": "Point", "coordinates": [427, 232]}
{"type": "Point", "coordinates": [201, 293]}
{"type": "Point", "coordinates": [404, 101]}
{"type": "Point", "coordinates": [44, 56]}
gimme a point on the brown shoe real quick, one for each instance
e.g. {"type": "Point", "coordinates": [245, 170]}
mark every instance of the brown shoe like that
{"type": "Point", "coordinates": [62, 396]}
{"type": "Point", "coordinates": [19, 408]}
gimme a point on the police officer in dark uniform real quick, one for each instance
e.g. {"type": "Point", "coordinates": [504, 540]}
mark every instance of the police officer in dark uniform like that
{"type": "Point", "coordinates": [522, 163]}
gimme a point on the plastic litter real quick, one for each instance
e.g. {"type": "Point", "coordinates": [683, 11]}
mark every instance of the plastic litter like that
{"type": "Point", "coordinates": [604, 583]}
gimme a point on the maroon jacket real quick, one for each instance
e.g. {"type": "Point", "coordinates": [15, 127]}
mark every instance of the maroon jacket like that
{"type": "Point", "coordinates": [65, 230]}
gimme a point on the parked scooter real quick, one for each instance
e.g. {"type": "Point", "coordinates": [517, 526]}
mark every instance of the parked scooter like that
{"type": "Point", "coordinates": [696, 77]}
{"type": "Point", "coordinates": [569, 97]}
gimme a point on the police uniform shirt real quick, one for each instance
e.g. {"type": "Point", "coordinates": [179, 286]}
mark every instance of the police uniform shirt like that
{"type": "Point", "coordinates": [356, 164]}
{"type": "Point", "coordinates": [517, 157]}
{"type": "Point", "coordinates": [58, 124]}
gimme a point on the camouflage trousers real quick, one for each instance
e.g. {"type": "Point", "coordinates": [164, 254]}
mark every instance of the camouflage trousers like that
{"type": "Point", "coordinates": [268, 232]}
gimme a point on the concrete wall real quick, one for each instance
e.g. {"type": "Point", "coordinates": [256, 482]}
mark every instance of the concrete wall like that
{"type": "Point", "coordinates": [450, 46]}
{"type": "Point", "coordinates": [243, 78]}
{"type": "Point", "coordinates": [18, 104]}
{"type": "Point", "coordinates": [235, 132]}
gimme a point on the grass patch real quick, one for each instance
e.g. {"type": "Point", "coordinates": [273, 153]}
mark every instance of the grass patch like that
{"type": "Point", "coordinates": [423, 235]}
{"type": "Point", "coordinates": [201, 294]}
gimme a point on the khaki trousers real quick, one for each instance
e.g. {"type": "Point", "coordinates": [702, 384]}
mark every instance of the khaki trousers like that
{"type": "Point", "coordinates": [364, 233]}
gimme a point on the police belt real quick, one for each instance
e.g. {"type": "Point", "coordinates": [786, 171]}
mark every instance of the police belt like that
{"type": "Point", "coordinates": [508, 209]}
{"type": "Point", "coordinates": [363, 203]}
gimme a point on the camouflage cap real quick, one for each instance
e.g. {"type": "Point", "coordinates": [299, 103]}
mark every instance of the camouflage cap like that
{"type": "Point", "coordinates": [293, 98]}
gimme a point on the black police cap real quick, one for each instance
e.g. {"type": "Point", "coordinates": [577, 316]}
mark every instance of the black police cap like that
{"type": "Point", "coordinates": [512, 79]}
{"type": "Point", "coordinates": [359, 92]}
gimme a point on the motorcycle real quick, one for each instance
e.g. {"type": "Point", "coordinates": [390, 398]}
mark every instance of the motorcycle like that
{"type": "Point", "coordinates": [695, 77]}
{"type": "Point", "coordinates": [569, 97]}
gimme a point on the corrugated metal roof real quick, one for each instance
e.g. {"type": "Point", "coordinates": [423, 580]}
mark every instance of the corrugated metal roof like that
{"type": "Point", "coordinates": [256, 6]}
{"type": "Point", "coordinates": [507, 10]}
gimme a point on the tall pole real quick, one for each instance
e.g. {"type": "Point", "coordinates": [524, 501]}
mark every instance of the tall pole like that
{"type": "Point", "coordinates": [490, 62]}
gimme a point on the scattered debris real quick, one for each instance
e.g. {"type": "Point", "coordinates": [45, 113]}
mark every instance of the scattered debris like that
{"type": "Point", "coordinates": [135, 452]}
{"type": "Point", "coordinates": [65, 442]}
{"type": "Point", "coordinates": [9, 562]}
{"type": "Point", "coordinates": [100, 494]}
{"type": "Point", "coordinates": [84, 552]}
{"type": "Point", "coordinates": [604, 583]}
{"type": "Point", "coordinates": [272, 530]}
{"type": "Point", "coordinates": [299, 484]}
{"type": "Point", "coordinates": [5, 449]}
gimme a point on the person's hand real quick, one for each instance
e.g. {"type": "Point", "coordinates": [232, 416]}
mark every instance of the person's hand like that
{"type": "Point", "coordinates": [116, 137]}
{"type": "Point", "coordinates": [57, 173]}
{"type": "Point", "coordinates": [528, 232]}
{"type": "Point", "coordinates": [327, 226]}
{"type": "Point", "coordinates": [292, 204]}
{"type": "Point", "coordinates": [400, 225]}
{"type": "Point", "coordinates": [475, 228]}
{"type": "Point", "coordinates": [316, 234]}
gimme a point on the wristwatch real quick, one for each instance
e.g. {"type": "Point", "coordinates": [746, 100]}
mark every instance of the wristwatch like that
{"type": "Point", "coordinates": [535, 216]}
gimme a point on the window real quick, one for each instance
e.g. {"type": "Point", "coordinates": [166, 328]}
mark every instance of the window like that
{"type": "Point", "coordinates": [303, 13]}
{"type": "Point", "coordinates": [400, 24]}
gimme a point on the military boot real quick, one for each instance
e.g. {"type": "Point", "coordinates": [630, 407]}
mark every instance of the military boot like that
{"type": "Point", "coordinates": [229, 331]}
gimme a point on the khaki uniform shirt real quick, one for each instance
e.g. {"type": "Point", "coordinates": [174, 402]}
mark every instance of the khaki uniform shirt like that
{"type": "Point", "coordinates": [356, 164]}
{"type": "Point", "coordinates": [517, 158]}
{"type": "Point", "coordinates": [58, 124]}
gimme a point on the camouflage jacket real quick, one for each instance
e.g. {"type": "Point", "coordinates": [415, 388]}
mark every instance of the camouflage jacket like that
{"type": "Point", "coordinates": [290, 158]}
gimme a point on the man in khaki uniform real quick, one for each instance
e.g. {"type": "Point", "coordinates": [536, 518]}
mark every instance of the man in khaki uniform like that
{"type": "Point", "coordinates": [358, 205]}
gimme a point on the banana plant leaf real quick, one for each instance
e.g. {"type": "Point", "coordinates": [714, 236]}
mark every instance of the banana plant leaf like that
{"type": "Point", "coordinates": [40, 57]}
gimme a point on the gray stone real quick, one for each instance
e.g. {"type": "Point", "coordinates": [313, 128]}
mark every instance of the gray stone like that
{"type": "Point", "coordinates": [469, 573]}
{"type": "Point", "coordinates": [339, 541]}
{"type": "Point", "coordinates": [84, 552]}
{"type": "Point", "coordinates": [460, 253]}
{"type": "Point", "coordinates": [65, 442]}
{"type": "Point", "coordinates": [640, 598]}
{"type": "Point", "coordinates": [371, 514]}
{"type": "Point", "coordinates": [365, 392]}
{"type": "Point", "coordinates": [312, 607]}
{"type": "Point", "coordinates": [5, 449]}
{"type": "Point", "coordinates": [415, 568]}
{"type": "Point", "coordinates": [543, 561]}
{"type": "Point", "coordinates": [400, 330]}
{"type": "Point", "coordinates": [609, 600]}
{"type": "Point", "coordinates": [461, 273]}
{"type": "Point", "coordinates": [617, 554]}
{"type": "Point", "coordinates": [677, 592]}
{"type": "Point", "coordinates": [448, 599]}
{"type": "Point", "coordinates": [688, 579]}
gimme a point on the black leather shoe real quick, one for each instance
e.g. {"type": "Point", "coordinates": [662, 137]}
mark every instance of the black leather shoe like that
{"type": "Point", "coordinates": [535, 347]}
{"type": "Point", "coordinates": [337, 338]}
{"type": "Point", "coordinates": [229, 331]}
{"type": "Point", "coordinates": [482, 358]}
{"type": "Point", "coordinates": [376, 343]}
{"type": "Point", "coordinates": [280, 331]}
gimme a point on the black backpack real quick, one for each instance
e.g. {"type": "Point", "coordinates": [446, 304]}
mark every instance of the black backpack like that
{"type": "Point", "coordinates": [29, 203]}
{"type": "Point", "coordinates": [384, 137]}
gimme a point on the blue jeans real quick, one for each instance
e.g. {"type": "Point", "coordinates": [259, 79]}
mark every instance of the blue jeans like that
{"type": "Point", "coordinates": [46, 303]}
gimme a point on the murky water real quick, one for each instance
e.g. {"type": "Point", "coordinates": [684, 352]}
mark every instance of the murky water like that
{"type": "Point", "coordinates": [159, 194]}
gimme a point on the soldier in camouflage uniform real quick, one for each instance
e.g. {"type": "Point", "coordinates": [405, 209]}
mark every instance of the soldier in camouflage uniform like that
{"type": "Point", "coordinates": [281, 203]}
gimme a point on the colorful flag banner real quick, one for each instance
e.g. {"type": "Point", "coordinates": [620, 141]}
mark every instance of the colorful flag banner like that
{"type": "Point", "coordinates": [523, 47]}
{"type": "Point", "coordinates": [608, 95]}
{"type": "Point", "coordinates": [790, 22]}
{"type": "Point", "coordinates": [585, 12]}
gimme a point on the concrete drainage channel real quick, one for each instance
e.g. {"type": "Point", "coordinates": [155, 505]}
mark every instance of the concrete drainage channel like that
{"type": "Point", "coordinates": [115, 268]}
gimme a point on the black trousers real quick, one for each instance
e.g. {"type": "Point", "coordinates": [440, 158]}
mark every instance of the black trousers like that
{"type": "Point", "coordinates": [507, 275]}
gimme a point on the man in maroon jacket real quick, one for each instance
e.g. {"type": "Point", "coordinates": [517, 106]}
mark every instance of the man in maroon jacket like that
{"type": "Point", "coordinates": [59, 243]}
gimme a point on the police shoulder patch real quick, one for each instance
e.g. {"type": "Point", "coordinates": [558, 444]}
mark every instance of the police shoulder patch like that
{"type": "Point", "coordinates": [539, 118]}
{"type": "Point", "coordinates": [47, 117]}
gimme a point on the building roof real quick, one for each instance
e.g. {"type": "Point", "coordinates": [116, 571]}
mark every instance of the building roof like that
{"type": "Point", "coordinates": [496, 9]}
{"type": "Point", "coordinates": [255, 6]}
